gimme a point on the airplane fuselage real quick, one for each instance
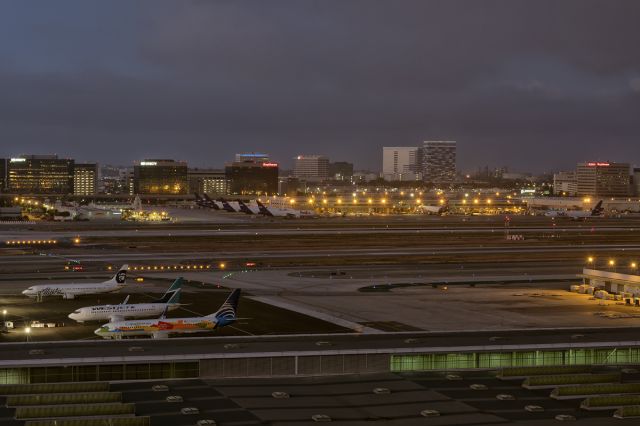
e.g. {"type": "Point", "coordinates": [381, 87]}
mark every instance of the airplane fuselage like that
{"type": "Point", "coordinates": [69, 291]}
{"type": "Point", "coordinates": [107, 312]}
{"type": "Point", "coordinates": [156, 326]}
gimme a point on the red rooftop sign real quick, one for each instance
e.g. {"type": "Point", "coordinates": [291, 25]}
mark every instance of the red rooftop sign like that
{"type": "Point", "coordinates": [598, 164]}
{"type": "Point", "coordinates": [269, 164]}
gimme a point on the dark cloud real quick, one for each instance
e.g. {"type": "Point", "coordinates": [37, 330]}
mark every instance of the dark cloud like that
{"type": "Point", "coordinates": [533, 84]}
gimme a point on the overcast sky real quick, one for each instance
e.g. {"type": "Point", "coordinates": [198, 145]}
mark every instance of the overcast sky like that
{"type": "Point", "coordinates": [536, 85]}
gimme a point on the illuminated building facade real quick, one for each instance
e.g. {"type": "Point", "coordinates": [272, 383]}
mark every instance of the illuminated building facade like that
{"type": "Point", "coordinates": [252, 178]}
{"type": "Point", "coordinates": [603, 179]}
{"type": "Point", "coordinates": [311, 167]}
{"type": "Point", "coordinates": [40, 174]}
{"type": "Point", "coordinates": [252, 157]}
{"type": "Point", "coordinates": [401, 163]}
{"type": "Point", "coordinates": [85, 178]}
{"type": "Point", "coordinates": [207, 181]}
{"type": "Point", "coordinates": [439, 162]}
{"type": "Point", "coordinates": [160, 177]}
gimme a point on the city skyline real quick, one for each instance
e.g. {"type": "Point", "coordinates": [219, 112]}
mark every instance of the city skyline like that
{"type": "Point", "coordinates": [511, 81]}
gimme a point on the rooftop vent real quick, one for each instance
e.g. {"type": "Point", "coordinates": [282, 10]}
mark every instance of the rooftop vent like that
{"type": "Point", "coordinates": [478, 386]}
{"type": "Point", "coordinates": [505, 397]}
{"type": "Point", "coordinates": [565, 418]}
{"type": "Point", "coordinates": [189, 410]}
{"type": "Point", "coordinates": [160, 388]}
{"type": "Point", "coordinates": [381, 391]}
{"type": "Point", "coordinates": [320, 418]}
{"type": "Point", "coordinates": [534, 408]}
{"type": "Point", "coordinates": [174, 398]}
{"type": "Point", "coordinates": [429, 413]}
{"type": "Point", "coordinates": [453, 377]}
{"type": "Point", "coordinates": [280, 395]}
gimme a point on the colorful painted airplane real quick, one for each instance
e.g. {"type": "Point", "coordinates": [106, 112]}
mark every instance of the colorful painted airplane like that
{"type": "Point", "coordinates": [162, 327]}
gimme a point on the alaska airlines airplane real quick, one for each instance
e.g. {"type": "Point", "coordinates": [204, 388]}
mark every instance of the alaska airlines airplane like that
{"type": "Point", "coordinates": [70, 291]}
{"type": "Point", "coordinates": [249, 208]}
{"type": "Point", "coordinates": [113, 313]}
{"type": "Point", "coordinates": [161, 328]}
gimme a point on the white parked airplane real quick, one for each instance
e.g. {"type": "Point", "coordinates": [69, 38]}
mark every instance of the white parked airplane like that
{"type": "Point", "coordinates": [278, 212]}
{"type": "Point", "coordinates": [577, 214]}
{"type": "Point", "coordinates": [162, 327]}
{"type": "Point", "coordinates": [70, 291]}
{"type": "Point", "coordinates": [437, 209]}
{"type": "Point", "coordinates": [113, 313]}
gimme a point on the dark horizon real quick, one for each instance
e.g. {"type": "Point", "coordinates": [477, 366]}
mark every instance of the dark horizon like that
{"type": "Point", "coordinates": [533, 85]}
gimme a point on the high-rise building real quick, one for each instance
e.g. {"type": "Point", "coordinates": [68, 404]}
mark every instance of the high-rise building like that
{"type": "Point", "coordinates": [252, 157]}
{"type": "Point", "coordinates": [401, 163]}
{"type": "Point", "coordinates": [565, 183]}
{"type": "Point", "coordinates": [439, 162]}
{"type": "Point", "coordinates": [252, 178]}
{"type": "Point", "coordinates": [208, 181]}
{"type": "Point", "coordinates": [603, 179]}
{"type": "Point", "coordinates": [3, 174]}
{"type": "Point", "coordinates": [341, 170]}
{"type": "Point", "coordinates": [40, 174]}
{"type": "Point", "coordinates": [636, 181]}
{"type": "Point", "coordinates": [85, 178]}
{"type": "Point", "coordinates": [160, 177]}
{"type": "Point", "coordinates": [314, 168]}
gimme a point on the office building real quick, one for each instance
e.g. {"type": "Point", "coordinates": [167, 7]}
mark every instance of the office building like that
{"type": "Point", "coordinates": [85, 178]}
{"type": "Point", "coordinates": [252, 157]}
{"type": "Point", "coordinates": [311, 168]}
{"type": "Point", "coordinates": [3, 174]}
{"type": "Point", "coordinates": [160, 177]}
{"type": "Point", "coordinates": [341, 170]}
{"type": "Point", "coordinates": [401, 163]}
{"type": "Point", "coordinates": [439, 162]}
{"type": "Point", "coordinates": [208, 181]}
{"type": "Point", "coordinates": [603, 179]}
{"type": "Point", "coordinates": [252, 178]}
{"type": "Point", "coordinates": [565, 183]}
{"type": "Point", "coordinates": [40, 174]}
{"type": "Point", "coordinates": [636, 181]}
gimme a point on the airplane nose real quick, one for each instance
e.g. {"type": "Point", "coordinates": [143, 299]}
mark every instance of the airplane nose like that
{"type": "Point", "coordinates": [72, 316]}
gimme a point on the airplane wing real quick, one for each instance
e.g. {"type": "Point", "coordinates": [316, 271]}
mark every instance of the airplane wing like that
{"type": "Point", "coordinates": [125, 300]}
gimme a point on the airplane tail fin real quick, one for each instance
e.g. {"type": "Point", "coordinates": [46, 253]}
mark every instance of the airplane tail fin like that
{"type": "Point", "coordinates": [227, 312]}
{"type": "Point", "coordinates": [263, 208]}
{"type": "Point", "coordinates": [597, 210]}
{"type": "Point", "coordinates": [244, 208]}
{"type": "Point", "coordinates": [172, 295]}
{"type": "Point", "coordinates": [121, 276]}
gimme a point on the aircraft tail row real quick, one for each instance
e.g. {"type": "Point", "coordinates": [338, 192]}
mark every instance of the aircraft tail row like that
{"type": "Point", "coordinates": [597, 209]}
{"type": "Point", "coordinates": [227, 313]}
{"type": "Point", "coordinates": [120, 277]}
{"type": "Point", "coordinates": [172, 295]}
